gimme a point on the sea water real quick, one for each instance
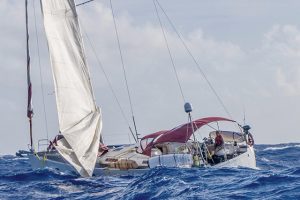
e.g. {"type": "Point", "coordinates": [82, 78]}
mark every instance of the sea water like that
{"type": "Point", "coordinates": [278, 177]}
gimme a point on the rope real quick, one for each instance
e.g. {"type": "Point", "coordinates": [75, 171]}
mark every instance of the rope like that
{"type": "Point", "coordinates": [40, 70]}
{"type": "Point", "coordinates": [195, 61]}
{"type": "Point", "coordinates": [204, 144]}
{"type": "Point", "coordinates": [108, 81]}
{"type": "Point", "coordinates": [198, 146]}
{"type": "Point", "coordinates": [169, 51]}
{"type": "Point", "coordinates": [80, 4]}
{"type": "Point", "coordinates": [244, 113]}
{"type": "Point", "coordinates": [123, 67]}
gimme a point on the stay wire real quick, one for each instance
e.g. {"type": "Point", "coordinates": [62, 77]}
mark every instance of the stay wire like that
{"type": "Point", "coordinates": [40, 71]}
{"type": "Point", "coordinates": [108, 81]}
{"type": "Point", "coordinates": [80, 4]}
{"type": "Point", "coordinates": [195, 61]}
{"type": "Point", "coordinates": [169, 51]}
{"type": "Point", "coordinates": [123, 67]}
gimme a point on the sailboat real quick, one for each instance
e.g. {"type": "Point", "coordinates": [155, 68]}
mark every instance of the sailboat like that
{"type": "Point", "coordinates": [79, 148]}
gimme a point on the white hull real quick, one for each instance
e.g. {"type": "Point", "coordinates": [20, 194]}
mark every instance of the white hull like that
{"type": "Point", "coordinates": [40, 163]}
{"type": "Point", "coordinates": [246, 160]}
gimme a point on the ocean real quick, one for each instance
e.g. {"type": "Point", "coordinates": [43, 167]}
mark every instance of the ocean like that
{"type": "Point", "coordinates": [278, 177]}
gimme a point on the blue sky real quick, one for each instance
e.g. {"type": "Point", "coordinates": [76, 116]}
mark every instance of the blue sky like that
{"type": "Point", "coordinates": [250, 51]}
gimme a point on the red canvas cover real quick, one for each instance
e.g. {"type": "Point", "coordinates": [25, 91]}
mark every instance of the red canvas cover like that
{"type": "Point", "coordinates": [181, 133]}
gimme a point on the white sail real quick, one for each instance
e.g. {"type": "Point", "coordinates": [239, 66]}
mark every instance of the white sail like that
{"type": "Point", "coordinates": [79, 117]}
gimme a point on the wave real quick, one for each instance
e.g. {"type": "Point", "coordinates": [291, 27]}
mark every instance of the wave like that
{"type": "Point", "coordinates": [20, 158]}
{"type": "Point", "coordinates": [273, 148]}
{"type": "Point", "coordinates": [36, 175]}
{"type": "Point", "coordinates": [265, 159]}
{"type": "Point", "coordinates": [278, 178]}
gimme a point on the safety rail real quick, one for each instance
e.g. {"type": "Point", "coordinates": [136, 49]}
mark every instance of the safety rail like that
{"type": "Point", "coordinates": [43, 143]}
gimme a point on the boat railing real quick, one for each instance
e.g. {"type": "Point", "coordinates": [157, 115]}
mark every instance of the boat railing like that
{"type": "Point", "coordinates": [43, 144]}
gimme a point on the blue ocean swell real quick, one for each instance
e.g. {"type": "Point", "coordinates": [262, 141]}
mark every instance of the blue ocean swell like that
{"type": "Point", "coordinates": [277, 178]}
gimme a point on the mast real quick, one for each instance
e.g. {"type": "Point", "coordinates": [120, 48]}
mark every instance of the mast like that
{"type": "Point", "coordinates": [29, 90]}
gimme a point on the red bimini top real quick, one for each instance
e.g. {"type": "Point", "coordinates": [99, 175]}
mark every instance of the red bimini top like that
{"type": "Point", "coordinates": [180, 133]}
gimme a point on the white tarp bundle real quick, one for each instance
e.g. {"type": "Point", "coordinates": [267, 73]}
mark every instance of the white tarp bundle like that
{"type": "Point", "coordinates": [79, 117]}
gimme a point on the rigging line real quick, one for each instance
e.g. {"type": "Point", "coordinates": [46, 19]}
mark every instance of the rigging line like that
{"type": "Point", "coordinates": [40, 70]}
{"type": "Point", "coordinates": [244, 117]}
{"type": "Point", "coordinates": [195, 140]}
{"type": "Point", "coordinates": [80, 4]}
{"type": "Point", "coordinates": [109, 83]}
{"type": "Point", "coordinates": [211, 127]}
{"type": "Point", "coordinates": [123, 66]}
{"type": "Point", "coordinates": [195, 61]}
{"type": "Point", "coordinates": [197, 130]}
{"type": "Point", "coordinates": [169, 51]}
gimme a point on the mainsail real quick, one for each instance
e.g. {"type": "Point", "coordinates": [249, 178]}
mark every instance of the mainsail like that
{"type": "Point", "coordinates": [79, 117]}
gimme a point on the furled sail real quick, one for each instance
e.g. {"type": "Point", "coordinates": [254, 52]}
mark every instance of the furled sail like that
{"type": "Point", "coordinates": [79, 117]}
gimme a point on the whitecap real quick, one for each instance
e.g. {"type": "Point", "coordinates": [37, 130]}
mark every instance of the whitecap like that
{"type": "Point", "coordinates": [69, 188]}
{"type": "Point", "coordinates": [277, 148]}
{"type": "Point", "coordinates": [21, 158]}
{"type": "Point", "coordinates": [265, 159]}
{"type": "Point", "coordinates": [281, 147]}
